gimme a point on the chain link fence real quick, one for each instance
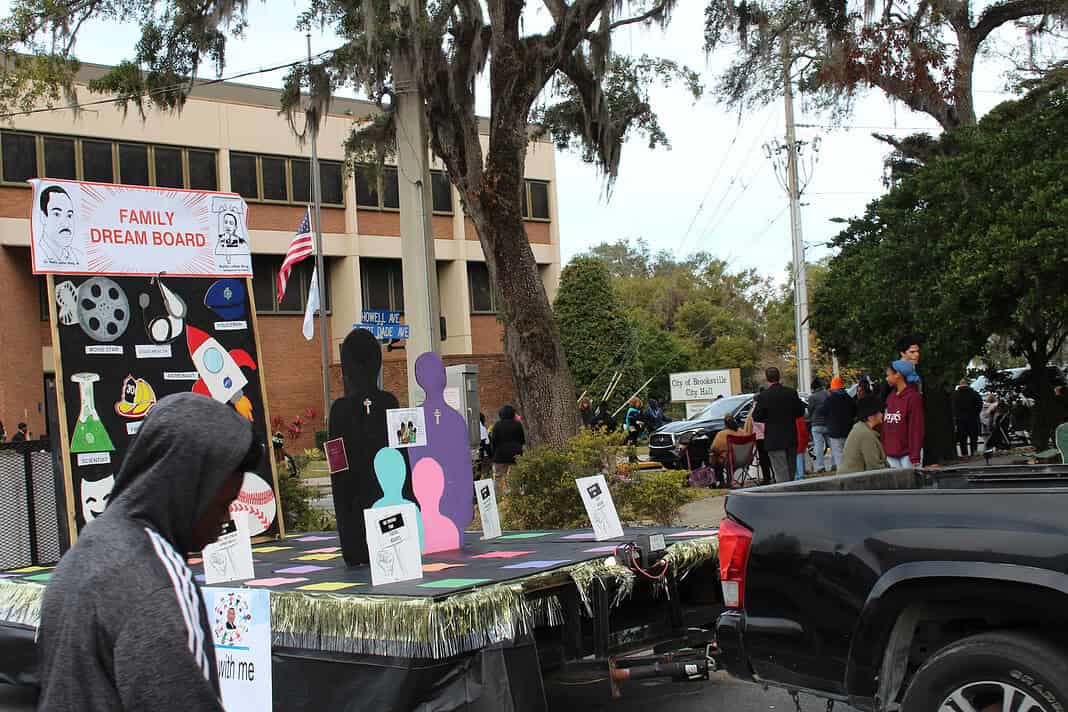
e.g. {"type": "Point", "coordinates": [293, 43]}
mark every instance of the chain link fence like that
{"type": "Point", "coordinates": [30, 510]}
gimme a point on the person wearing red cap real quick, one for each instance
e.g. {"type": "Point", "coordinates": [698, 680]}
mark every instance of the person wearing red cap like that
{"type": "Point", "coordinates": [840, 412]}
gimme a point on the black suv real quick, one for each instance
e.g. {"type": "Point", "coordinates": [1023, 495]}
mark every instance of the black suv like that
{"type": "Point", "coordinates": [664, 443]}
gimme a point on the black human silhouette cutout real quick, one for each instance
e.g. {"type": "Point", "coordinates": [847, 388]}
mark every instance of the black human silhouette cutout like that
{"type": "Point", "coordinates": [360, 419]}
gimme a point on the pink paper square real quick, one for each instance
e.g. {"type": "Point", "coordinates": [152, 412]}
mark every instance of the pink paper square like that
{"type": "Point", "coordinates": [326, 550]}
{"type": "Point", "coordinates": [703, 532]}
{"type": "Point", "coordinates": [276, 581]}
{"type": "Point", "coordinates": [601, 550]}
{"type": "Point", "coordinates": [502, 554]}
{"type": "Point", "coordinates": [581, 535]}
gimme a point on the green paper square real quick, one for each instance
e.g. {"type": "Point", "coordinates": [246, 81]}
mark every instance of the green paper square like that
{"type": "Point", "coordinates": [40, 578]}
{"type": "Point", "coordinates": [453, 583]}
{"type": "Point", "coordinates": [524, 535]}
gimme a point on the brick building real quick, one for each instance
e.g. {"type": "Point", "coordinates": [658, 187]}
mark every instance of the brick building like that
{"type": "Point", "coordinates": [230, 137]}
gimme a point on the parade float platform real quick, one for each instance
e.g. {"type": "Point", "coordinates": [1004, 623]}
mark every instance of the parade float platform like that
{"type": "Point", "coordinates": [477, 631]}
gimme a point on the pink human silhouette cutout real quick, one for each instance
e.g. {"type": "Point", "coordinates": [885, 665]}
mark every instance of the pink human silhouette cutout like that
{"type": "Point", "coordinates": [439, 532]}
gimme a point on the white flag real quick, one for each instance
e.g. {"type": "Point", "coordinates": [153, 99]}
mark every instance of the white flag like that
{"type": "Point", "coordinates": [313, 306]}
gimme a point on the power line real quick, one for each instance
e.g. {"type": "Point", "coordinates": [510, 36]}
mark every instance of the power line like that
{"type": "Point", "coordinates": [867, 128]}
{"type": "Point", "coordinates": [711, 184]}
{"type": "Point", "coordinates": [715, 216]}
{"type": "Point", "coordinates": [162, 90]}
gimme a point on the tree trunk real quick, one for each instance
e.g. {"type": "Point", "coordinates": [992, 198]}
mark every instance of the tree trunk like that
{"type": "Point", "coordinates": [1043, 414]}
{"type": "Point", "coordinates": [963, 96]}
{"type": "Point", "coordinates": [544, 388]}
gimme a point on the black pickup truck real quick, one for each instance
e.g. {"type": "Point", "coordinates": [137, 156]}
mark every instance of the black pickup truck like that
{"type": "Point", "coordinates": [913, 590]}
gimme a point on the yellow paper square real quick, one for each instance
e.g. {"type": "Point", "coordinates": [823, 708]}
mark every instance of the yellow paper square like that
{"type": "Point", "coordinates": [31, 569]}
{"type": "Point", "coordinates": [269, 549]}
{"type": "Point", "coordinates": [316, 557]}
{"type": "Point", "coordinates": [328, 586]}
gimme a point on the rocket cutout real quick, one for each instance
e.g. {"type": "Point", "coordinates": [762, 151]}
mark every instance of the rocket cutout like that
{"type": "Point", "coordinates": [220, 370]}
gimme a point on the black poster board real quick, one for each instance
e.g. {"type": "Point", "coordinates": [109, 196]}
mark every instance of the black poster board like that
{"type": "Point", "coordinates": [124, 343]}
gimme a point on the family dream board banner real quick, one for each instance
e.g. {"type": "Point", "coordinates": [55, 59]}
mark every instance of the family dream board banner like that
{"type": "Point", "coordinates": [99, 228]}
{"type": "Point", "coordinates": [127, 331]}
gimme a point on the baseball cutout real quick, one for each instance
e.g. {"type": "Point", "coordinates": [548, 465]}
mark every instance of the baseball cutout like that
{"type": "Point", "coordinates": [256, 498]}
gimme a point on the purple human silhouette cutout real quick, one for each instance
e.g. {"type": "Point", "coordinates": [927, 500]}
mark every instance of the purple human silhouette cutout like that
{"type": "Point", "coordinates": [439, 532]}
{"type": "Point", "coordinates": [446, 442]}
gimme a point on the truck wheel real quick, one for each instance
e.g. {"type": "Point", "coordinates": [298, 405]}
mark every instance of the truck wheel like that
{"type": "Point", "coordinates": [991, 672]}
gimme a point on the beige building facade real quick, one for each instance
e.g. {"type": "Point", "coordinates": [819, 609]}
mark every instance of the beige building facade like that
{"type": "Point", "coordinates": [231, 137]}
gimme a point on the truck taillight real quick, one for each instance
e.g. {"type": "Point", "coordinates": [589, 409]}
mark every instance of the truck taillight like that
{"type": "Point", "coordinates": [734, 543]}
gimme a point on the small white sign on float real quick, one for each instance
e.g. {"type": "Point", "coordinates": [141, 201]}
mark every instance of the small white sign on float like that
{"type": "Point", "coordinates": [230, 558]}
{"type": "Point", "coordinates": [241, 631]}
{"type": "Point", "coordinates": [486, 496]}
{"type": "Point", "coordinates": [700, 385]}
{"type": "Point", "coordinates": [393, 543]}
{"type": "Point", "coordinates": [599, 507]}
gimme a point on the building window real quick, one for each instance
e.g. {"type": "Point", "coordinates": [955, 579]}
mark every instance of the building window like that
{"type": "Point", "coordinates": [484, 299]}
{"type": "Point", "coordinates": [265, 285]}
{"type": "Point", "coordinates": [25, 156]}
{"type": "Point", "coordinates": [59, 158]}
{"type": "Point", "coordinates": [382, 284]}
{"type": "Point", "coordinates": [534, 200]}
{"type": "Point", "coordinates": [283, 180]}
{"type": "Point", "coordinates": [18, 152]}
{"type": "Point", "coordinates": [442, 192]}
{"type": "Point", "coordinates": [168, 167]}
{"type": "Point", "coordinates": [133, 164]}
{"type": "Point", "coordinates": [377, 190]}
{"type": "Point", "coordinates": [98, 161]}
{"type": "Point", "coordinates": [203, 171]}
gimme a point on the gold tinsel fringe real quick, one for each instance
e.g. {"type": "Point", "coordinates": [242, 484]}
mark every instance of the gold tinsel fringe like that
{"type": "Point", "coordinates": [420, 627]}
{"type": "Point", "coordinates": [409, 627]}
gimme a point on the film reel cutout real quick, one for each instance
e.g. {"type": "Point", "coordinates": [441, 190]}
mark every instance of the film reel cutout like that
{"type": "Point", "coordinates": [103, 309]}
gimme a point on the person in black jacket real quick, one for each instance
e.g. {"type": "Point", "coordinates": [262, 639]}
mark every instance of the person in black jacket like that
{"type": "Point", "coordinates": [507, 440]}
{"type": "Point", "coordinates": [778, 408]}
{"type": "Point", "coordinates": [967, 404]}
{"type": "Point", "coordinates": [839, 414]}
{"type": "Point", "coordinates": [604, 419]}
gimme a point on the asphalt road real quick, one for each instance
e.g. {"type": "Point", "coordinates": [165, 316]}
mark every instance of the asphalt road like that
{"type": "Point", "coordinates": [721, 694]}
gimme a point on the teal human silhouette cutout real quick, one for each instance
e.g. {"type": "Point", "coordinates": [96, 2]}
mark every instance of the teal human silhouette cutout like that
{"type": "Point", "coordinates": [392, 473]}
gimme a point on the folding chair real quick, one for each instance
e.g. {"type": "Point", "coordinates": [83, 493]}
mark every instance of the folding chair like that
{"type": "Point", "coordinates": [1060, 439]}
{"type": "Point", "coordinates": [740, 452]}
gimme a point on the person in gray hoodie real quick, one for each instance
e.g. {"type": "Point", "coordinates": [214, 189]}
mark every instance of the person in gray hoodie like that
{"type": "Point", "coordinates": [123, 625]}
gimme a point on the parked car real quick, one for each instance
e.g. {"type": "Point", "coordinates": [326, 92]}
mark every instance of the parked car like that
{"type": "Point", "coordinates": [920, 591]}
{"type": "Point", "coordinates": [664, 443]}
{"type": "Point", "coordinates": [1018, 379]}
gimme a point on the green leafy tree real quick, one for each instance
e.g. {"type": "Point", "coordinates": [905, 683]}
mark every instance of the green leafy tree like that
{"type": "Point", "coordinates": [919, 52]}
{"type": "Point", "coordinates": [973, 243]}
{"type": "Point", "coordinates": [598, 337]}
{"type": "Point", "coordinates": [566, 76]}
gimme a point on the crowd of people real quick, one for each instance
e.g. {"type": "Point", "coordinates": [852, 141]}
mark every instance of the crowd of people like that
{"type": "Point", "coordinates": [867, 431]}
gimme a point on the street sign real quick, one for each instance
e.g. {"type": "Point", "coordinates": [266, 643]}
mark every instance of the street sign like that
{"type": "Point", "coordinates": [381, 316]}
{"type": "Point", "coordinates": [386, 332]}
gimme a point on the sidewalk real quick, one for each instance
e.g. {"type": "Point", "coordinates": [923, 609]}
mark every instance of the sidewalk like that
{"type": "Point", "coordinates": [708, 511]}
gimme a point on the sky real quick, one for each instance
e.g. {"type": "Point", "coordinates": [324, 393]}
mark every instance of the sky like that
{"type": "Point", "coordinates": [713, 190]}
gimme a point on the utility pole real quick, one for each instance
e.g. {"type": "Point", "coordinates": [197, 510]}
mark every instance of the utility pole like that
{"type": "Point", "coordinates": [421, 304]}
{"type": "Point", "coordinates": [317, 228]}
{"type": "Point", "coordinates": [804, 365]}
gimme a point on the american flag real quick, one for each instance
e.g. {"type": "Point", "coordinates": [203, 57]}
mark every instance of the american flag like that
{"type": "Point", "coordinates": [301, 247]}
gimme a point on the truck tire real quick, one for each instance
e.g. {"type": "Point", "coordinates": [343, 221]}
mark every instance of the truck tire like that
{"type": "Point", "coordinates": [991, 671]}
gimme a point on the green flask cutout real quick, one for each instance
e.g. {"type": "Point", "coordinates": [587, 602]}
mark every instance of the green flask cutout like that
{"type": "Point", "coordinates": [89, 433]}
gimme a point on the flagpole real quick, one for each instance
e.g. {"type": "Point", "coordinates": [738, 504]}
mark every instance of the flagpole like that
{"type": "Point", "coordinates": [317, 228]}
